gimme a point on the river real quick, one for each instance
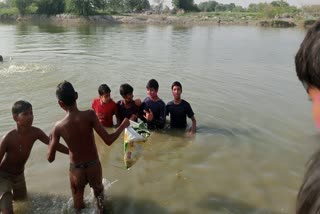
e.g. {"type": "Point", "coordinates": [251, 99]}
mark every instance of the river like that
{"type": "Point", "coordinates": [255, 131]}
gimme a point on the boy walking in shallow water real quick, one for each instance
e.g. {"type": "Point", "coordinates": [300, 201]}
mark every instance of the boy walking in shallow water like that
{"type": "Point", "coordinates": [307, 63]}
{"type": "Point", "coordinates": [15, 148]}
{"type": "Point", "coordinates": [76, 128]}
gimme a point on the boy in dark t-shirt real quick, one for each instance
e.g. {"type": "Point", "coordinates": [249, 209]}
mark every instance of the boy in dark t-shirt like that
{"type": "Point", "coordinates": [153, 107]}
{"type": "Point", "coordinates": [127, 107]}
{"type": "Point", "coordinates": [179, 109]}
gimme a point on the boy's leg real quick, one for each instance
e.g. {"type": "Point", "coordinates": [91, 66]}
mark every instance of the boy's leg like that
{"type": "Point", "coordinates": [19, 187]}
{"type": "Point", "coordinates": [78, 183]}
{"type": "Point", "coordinates": [6, 193]}
{"type": "Point", "coordinates": [6, 203]}
{"type": "Point", "coordinates": [94, 174]}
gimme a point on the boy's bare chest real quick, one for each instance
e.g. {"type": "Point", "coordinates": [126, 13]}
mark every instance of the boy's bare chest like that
{"type": "Point", "coordinates": [22, 144]}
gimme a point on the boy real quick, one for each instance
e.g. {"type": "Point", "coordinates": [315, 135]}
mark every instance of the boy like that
{"type": "Point", "coordinates": [307, 63]}
{"type": "Point", "coordinates": [15, 148]}
{"type": "Point", "coordinates": [76, 128]}
{"type": "Point", "coordinates": [127, 107]}
{"type": "Point", "coordinates": [179, 109]}
{"type": "Point", "coordinates": [153, 107]}
{"type": "Point", "coordinates": [105, 107]}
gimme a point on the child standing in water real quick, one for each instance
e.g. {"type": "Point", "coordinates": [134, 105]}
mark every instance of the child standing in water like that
{"type": "Point", "coordinates": [307, 62]}
{"type": "Point", "coordinates": [127, 107]}
{"type": "Point", "coordinates": [153, 107]}
{"type": "Point", "coordinates": [179, 109]}
{"type": "Point", "coordinates": [77, 130]}
{"type": "Point", "coordinates": [15, 148]}
{"type": "Point", "coordinates": [105, 107]}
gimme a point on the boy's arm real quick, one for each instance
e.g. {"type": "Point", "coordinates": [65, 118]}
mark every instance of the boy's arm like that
{"type": "Point", "coordinates": [116, 113]}
{"type": "Point", "coordinates": [3, 146]}
{"type": "Point", "coordinates": [108, 138]}
{"type": "Point", "coordinates": [46, 140]}
{"type": "Point", "coordinates": [52, 148]}
{"type": "Point", "coordinates": [193, 128]}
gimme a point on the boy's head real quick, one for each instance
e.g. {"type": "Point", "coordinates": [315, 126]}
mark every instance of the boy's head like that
{"type": "Point", "coordinates": [66, 93]}
{"type": "Point", "coordinates": [176, 89]}
{"type": "Point", "coordinates": [22, 111]}
{"type": "Point", "coordinates": [153, 84]}
{"type": "Point", "coordinates": [126, 91]}
{"type": "Point", "coordinates": [307, 62]}
{"type": "Point", "coordinates": [307, 59]}
{"type": "Point", "coordinates": [152, 88]}
{"type": "Point", "coordinates": [104, 93]}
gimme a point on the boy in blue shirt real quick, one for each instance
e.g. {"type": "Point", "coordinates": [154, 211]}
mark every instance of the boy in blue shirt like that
{"type": "Point", "coordinates": [153, 107]}
{"type": "Point", "coordinates": [179, 109]}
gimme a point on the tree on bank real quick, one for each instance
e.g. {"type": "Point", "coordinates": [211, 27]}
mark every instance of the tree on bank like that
{"type": "Point", "coordinates": [22, 5]}
{"type": "Point", "coordinates": [186, 5]}
{"type": "Point", "coordinates": [84, 7]}
{"type": "Point", "coordinates": [137, 5]}
{"type": "Point", "coordinates": [50, 7]}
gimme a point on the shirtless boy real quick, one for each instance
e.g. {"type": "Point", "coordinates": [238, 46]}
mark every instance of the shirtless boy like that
{"type": "Point", "coordinates": [77, 130]}
{"type": "Point", "coordinates": [15, 148]}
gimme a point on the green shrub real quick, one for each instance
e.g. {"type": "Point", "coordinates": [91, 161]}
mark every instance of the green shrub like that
{"type": "Point", "coordinates": [50, 7]}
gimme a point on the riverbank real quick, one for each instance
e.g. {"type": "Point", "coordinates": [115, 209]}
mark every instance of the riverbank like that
{"type": "Point", "coordinates": [155, 19]}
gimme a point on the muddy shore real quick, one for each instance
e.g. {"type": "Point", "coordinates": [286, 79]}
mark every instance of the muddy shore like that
{"type": "Point", "coordinates": [154, 19]}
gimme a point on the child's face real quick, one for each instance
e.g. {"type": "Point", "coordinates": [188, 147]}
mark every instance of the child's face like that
{"type": "Point", "coordinates": [151, 92]}
{"type": "Point", "coordinates": [24, 118]}
{"type": "Point", "coordinates": [128, 97]}
{"type": "Point", "coordinates": [176, 92]}
{"type": "Point", "coordinates": [105, 98]}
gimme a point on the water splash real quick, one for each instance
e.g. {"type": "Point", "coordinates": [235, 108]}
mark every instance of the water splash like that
{"type": "Point", "coordinates": [26, 68]}
{"type": "Point", "coordinates": [89, 200]}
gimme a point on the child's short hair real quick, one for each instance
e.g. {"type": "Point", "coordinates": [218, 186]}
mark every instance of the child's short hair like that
{"type": "Point", "coordinates": [153, 84]}
{"type": "Point", "coordinates": [307, 59]}
{"type": "Point", "coordinates": [176, 83]}
{"type": "Point", "coordinates": [125, 89]}
{"type": "Point", "coordinates": [66, 93]}
{"type": "Point", "coordinates": [103, 89]}
{"type": "Point", "coordinates": [20, 106]}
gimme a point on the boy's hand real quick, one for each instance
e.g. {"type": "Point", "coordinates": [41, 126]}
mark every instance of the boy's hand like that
{"type": "Point", "coordinates": [148, 115]}
{"type": "Point", "coordinates": [125, 123]}
{"type": "Point", "coordinates": [133, 117]}
{"type": "Point", "coordinates": [137, 102]}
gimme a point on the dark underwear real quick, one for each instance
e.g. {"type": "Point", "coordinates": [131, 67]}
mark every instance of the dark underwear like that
{"type": "Point", "coordinates": [83, 165]}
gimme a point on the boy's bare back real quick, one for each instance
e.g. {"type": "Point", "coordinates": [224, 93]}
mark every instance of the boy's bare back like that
{"type": "Point", "coordinates": [76, 128]}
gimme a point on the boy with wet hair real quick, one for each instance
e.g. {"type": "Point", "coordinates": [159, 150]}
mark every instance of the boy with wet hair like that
{"type": "Point", "coordinates": [105, 107]}
{"type": "Point", "coordinates": [127, 107]}
{"type": "Point", "coordinates": [153, 107]}
{"type": "Point", "coordinates": [307, 63]}
{"type": "Point", "coordinates": [77, 129]}
{"type": "Point", "coordinates": [179, 109]}
{"type": "Point", "coordinates": [15, 149]}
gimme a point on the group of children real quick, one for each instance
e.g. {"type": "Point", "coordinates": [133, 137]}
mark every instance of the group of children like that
{"type": "Point", "coordinates": [77, 130]}
{"type": "Point", "coordinates": [152, 110]}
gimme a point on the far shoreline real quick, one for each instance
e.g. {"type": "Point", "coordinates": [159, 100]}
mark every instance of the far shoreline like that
{"type": "Point", "coordinates": [152, 19]}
